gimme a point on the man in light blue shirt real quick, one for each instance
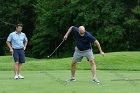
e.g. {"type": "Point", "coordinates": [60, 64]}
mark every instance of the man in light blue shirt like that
{"type": "Point", "coordinates": [17, 39]}
{"type": "Point", "coordinates": [17, 42]}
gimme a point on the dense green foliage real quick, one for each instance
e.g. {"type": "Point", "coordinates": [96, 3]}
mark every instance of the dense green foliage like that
{"type": "Point", "coordinates": [114, 23]}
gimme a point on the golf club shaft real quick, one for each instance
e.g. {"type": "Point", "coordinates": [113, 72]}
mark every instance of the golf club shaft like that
{"type": "Point", "coordinates": [56, 48]}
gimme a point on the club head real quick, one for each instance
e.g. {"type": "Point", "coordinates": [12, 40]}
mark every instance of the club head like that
{"type": "Point", "coordinates": [56, 49]}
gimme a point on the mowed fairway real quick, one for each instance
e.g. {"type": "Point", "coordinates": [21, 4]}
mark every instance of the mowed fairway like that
{"type": "Point", "coordinates": [54, 82]}
{"type": "Point", "coordinates": [119, 72]}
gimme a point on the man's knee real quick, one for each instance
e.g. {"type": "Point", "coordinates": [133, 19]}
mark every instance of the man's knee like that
{"type": "Point", "coordinates": [73, 63]}
{"type": "Point", "coordinates": [92, 61]}
{"type": "Point", "coordinates": [16, 63]}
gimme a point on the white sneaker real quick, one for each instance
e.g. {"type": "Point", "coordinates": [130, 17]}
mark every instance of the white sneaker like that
{"type": "Point", "coordinates": [20, 76]}
{"type": "Point", "coordinates": [16, 77]}
{"type": "Point", "coordinates": [96, 81]}
{"type": "Point", "coordinates": [71, 79]}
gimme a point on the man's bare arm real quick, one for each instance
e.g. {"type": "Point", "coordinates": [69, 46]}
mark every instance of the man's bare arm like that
{"type": "Point", "coordinates": [99, 47]}
{"type": "Point", "coordinates": [10, 47]}
{"type": "Point", "coordinates": [25, 45]}
{"type": "Point", "coordinates": [68, 32]}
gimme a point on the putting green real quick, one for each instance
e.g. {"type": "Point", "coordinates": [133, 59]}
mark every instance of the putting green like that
{"type": "Point", "coordinates": [54, 82]}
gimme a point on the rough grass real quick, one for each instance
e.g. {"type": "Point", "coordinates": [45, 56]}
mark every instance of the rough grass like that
{"type": "Point", "coordinates": [112, 61]}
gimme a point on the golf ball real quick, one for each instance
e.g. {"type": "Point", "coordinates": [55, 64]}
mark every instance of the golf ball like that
{"type": "Point", "coordinates": [48, 56]}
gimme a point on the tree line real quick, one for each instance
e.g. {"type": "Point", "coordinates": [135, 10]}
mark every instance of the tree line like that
{"type": "Point", "coordinates": [115, 23]}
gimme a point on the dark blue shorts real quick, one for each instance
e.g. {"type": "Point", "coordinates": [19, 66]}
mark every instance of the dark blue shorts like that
{"type": "Point", "coordinates": [19, 55]}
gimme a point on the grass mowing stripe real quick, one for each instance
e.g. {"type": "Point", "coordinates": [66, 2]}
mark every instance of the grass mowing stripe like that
{"type": "Point", "coordinates": [54, 82]}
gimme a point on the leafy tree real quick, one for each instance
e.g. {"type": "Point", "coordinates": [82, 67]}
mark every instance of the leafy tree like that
{"type": "Point", "coordinates": [13, 12]}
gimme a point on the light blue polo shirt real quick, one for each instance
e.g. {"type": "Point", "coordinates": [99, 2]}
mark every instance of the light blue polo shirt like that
{"type": "Point", "coordinates": [17, 39]}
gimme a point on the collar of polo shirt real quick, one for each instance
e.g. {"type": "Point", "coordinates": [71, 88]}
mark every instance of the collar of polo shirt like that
{"type": "Point", "coordinates": [18, 32]}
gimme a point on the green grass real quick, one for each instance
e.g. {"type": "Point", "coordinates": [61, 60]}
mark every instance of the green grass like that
{"type": "Point", "coordinates": [112, 61]}
{"type": "Point", "coordinates": [117, 71]}
{"type": "Point", "coordinates": [54, 82]}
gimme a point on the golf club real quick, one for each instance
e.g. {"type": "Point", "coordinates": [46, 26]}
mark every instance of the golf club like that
{"type": "Point", "coordinates": [56, 48]}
